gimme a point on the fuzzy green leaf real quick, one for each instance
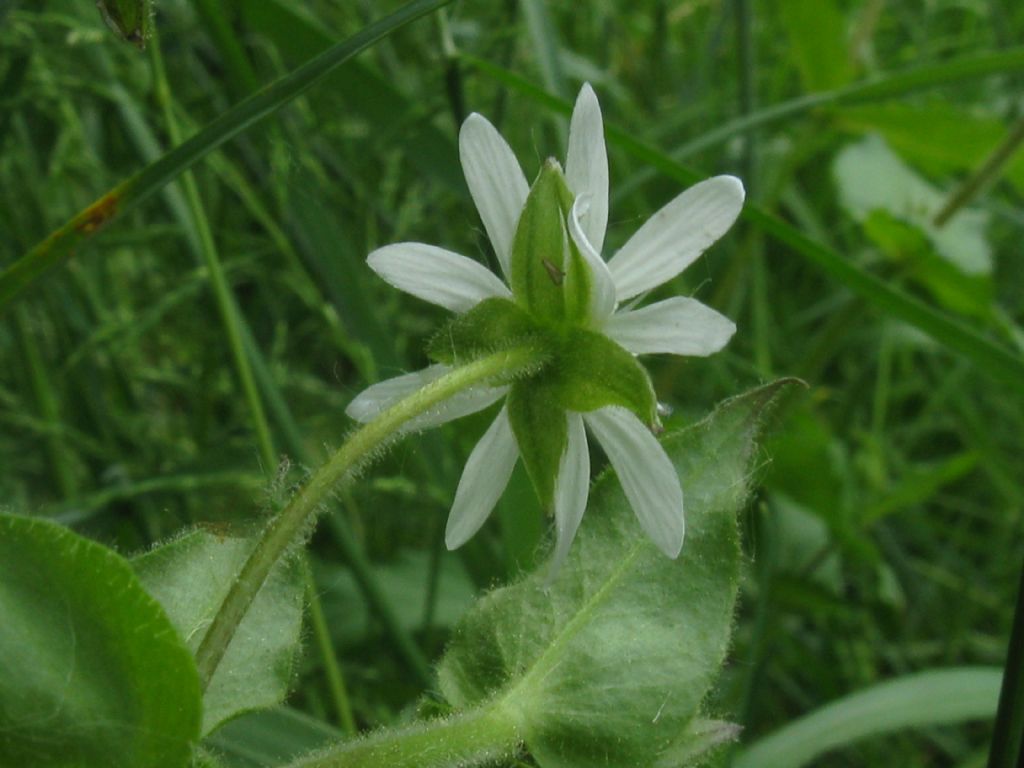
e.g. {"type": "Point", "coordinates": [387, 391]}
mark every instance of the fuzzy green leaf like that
{"type": "Point", "coordinates": [490, 326]}
{"type": "Point", "coordinates": [591, 371]}
{"type": "Point", "coordinates": [190, 577]}
{"type": "Point", "coordinates": [609, 664]}
{"type": "Point", "coordinates": [540, 245]}
{"type": "Point", "coordinates": [92, 672]}
{"type": "Point", "coordinates": [541, 431]}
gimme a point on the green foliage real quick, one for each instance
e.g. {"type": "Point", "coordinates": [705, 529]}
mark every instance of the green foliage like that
{"type": "Point", "coordinates": [190, 576]}
{"type": "Point", "coordinates": [926, 699]}
{"type": "Point", "coordinates": [871, 177]}
{"type": "Point", "coordinates": [619, 651]}
{"type": "Point", "coordinates": [891, 494]}
{"type": "Point", "coordinates": [94, 673]}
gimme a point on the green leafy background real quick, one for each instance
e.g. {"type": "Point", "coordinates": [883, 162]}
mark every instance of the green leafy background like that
{"type": "Point", "coordinates": [890, 493]}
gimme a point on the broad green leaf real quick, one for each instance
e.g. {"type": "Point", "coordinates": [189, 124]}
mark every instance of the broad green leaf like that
{"type": "Point", "coordinates": [908, 245]}
{"type": "Point", "coordinates": [926, 699]}
{"type": "Point", "coordinates": [541, 430]}
{"type": "Point", "coordinates": [540, 245]}
{"type": "Point", "coordinates": [816, 31]}
{"type": "Point", "coordinates": [591, 371]}
{"type": "Point", "coordinates": [92, 672]}
{"type": "Point", "coordinates": [490, 326]}
{"type": "Point", "coordinates": [190, 577]}
{"type": "Point", "coordinates": [609, 664]}
{"type": "Point", "coordinates": [937, 137]}
{"type": "Point", "coordinates": [872, 177]}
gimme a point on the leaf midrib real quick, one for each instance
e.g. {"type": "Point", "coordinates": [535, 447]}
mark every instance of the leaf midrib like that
{"type": "Point", "coordinates": [549, 658]}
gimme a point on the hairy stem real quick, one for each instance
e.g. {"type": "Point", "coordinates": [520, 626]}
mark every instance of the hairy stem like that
{"type": "Point", "coordinates": [295, 519]}
{"type": "Point", "coordinates": [479, 736]}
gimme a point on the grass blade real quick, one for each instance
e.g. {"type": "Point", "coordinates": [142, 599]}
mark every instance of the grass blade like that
{"type": "Point", "coordinates": [59, 244]}
{"type": "Point", "coordinates": [938, 697]}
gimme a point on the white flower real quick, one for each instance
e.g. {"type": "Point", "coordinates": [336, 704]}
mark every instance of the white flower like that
{"type": "Point", "coordinates": [662, 248]}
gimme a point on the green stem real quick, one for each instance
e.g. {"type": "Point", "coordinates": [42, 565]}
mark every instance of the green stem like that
{"type": "Point", "coordinates": [296, 518]}
{"type": "Point", "coordinates": [985, 175]}
{"type": "Point", "coordinates": [476, 737]}
{"type": "Point", "coordinates": [322, 637]}
{"type": "Point", "coordinates": [62, 242]}
{"type": "Point", "coordinates": [228, 309]}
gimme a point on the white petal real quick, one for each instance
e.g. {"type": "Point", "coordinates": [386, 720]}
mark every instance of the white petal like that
{"type": "Point", "coordinates": [648, 478]}
{"type": "Point", "coordinates": [586, 165]}
{"type": "Point", "coordinates": [483, 481]}
{"type": "Point", "coordinates": [436, 275]}
{"type": "Point", "coordinates": [602, 288]}
{"type": "Point", "coordinates": [676, 235]}
{"type": "Point", "coordinates": [371, 401]}
{"type": "Point", "coordinates": [678, 326]}
{"type": "Point", "coordinates": [495, 181]}
{"type": "Point", "coordinates": [571, 490]}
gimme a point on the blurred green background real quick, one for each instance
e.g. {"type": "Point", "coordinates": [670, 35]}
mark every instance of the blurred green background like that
{"type": "Point", "coordinates": [887, 535]}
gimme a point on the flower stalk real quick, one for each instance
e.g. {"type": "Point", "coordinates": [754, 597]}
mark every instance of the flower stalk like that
{"type": "Point", "coordinates": [291, 524]}
{"type": "Point", "coordinates": [481, 736]}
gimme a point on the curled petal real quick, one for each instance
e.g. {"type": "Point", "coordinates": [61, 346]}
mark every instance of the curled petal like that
{"type": "Point", "coordinates": [648, 478]}
{"type": "Point", "coordinates": [586, 165]}
{"type": "Point", "coordinates": [483, 481]}
{"type": "Point", "coordinates": [676, 235]}
{"type": "Point", "coordinates": [436, 275]}
{"type": "Point", "coordinates": [368, 404]}
{"type": "Point", "coordinates": [495, 181]}
{"type": "Point", "coordinates": [571, 491]}
{"type": "Point", "coordinates": [678, 326]}
{"type": "Point", "coordinates": [602, 288]}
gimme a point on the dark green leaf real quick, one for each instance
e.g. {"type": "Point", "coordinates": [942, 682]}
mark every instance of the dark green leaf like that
{"type": "Point", "coordinates": [190, 577]}
{"type": "Point", "coordinates": [94, 673]}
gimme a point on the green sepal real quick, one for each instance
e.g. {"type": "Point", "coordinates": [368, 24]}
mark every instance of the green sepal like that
{"type": "Point", "coordinates": [591, 371]}
{"type": "Point", "coordinates": [577, 287]}
{"type": "Point", "coordinates": [538, 262]}
{"type": "Point", "coordinates": [492, 325]}
{"type": "Point", "coordinates": [541, 431]}
{"type": "Point", "coordinates": [128, 19]}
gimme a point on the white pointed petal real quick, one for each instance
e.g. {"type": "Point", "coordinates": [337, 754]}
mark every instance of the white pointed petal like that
{"type": "Point", "coordinates": [602, 288]}
{"type": "Point", "coordinates": [571, 491]}
{"type": "Point", "coordinates": [586, 165]}
{"type": "Point", "coordinates": [436, 275]}
{"type": "Point", "coordinates": [369, 403]}
{"type": "Point", "coordinates": [483, 481]}
{"type": "Point", "coordinates": [648, 478]}
{"type": "Point", "coordinates": [676, 235]}
{"type": "Point", "coordinates": [495, 181]}
{"type": "Point", "coordinates": [678, 326]}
